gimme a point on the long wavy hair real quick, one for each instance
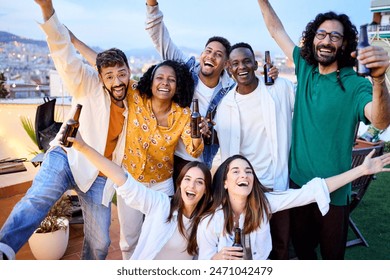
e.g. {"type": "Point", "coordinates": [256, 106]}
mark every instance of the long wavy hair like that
{"type": "Point", "coordinates": [257, 206]}
{"type": "Point", "coordinates": [177, 204]}
{"type": "Point", "coordinates": [184, 82]}
{"type": "Point", "coordinates": [349, 39]}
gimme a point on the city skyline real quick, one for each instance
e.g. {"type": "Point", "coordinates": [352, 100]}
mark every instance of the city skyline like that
{"type": "Point", "coordinates": [120, 23]}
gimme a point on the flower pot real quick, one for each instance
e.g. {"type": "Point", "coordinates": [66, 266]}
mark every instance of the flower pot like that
{"type": "Point", "coordinates": [50, 245]}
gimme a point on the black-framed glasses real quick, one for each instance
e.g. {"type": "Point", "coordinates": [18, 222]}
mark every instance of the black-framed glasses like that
{"type": "Point", "coordinates": [334, 35]}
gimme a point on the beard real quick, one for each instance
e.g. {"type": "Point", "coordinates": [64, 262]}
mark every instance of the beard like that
{"type": "Point", "coordinates": [327, 60]}
{"type": "Point", "coordinates": [110, 91]}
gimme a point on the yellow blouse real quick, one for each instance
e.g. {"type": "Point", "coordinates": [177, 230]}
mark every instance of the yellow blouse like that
{"type": "Point", "coordinates": [149, 147]}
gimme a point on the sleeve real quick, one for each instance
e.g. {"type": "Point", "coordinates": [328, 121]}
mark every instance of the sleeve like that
{"type": "Point", "coordinates": [139, 197]}
{"type": "Point", "coordinates": [362, 96]}
{"type": "Point", "coordinates": [79, 78]}
{"type": "Point", "coordinates": [159, 34]}
{"type": "Point", "coordinates": [207, 238]}
{"type": "Point", "coordinates": [315, 190]}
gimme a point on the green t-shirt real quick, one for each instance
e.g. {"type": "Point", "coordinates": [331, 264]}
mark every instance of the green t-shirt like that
{"type": "Point", "coordinates": [324, 123]}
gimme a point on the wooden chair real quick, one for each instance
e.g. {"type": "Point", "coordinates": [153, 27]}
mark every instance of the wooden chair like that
{"type": "Point", "coordinates": [359, 188]}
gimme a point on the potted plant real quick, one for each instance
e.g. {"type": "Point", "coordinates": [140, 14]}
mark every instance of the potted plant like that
{"type": "Point", "coordinates": [50, 239]}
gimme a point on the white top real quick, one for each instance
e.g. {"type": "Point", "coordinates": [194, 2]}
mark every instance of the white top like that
{"type": "Point", "coordinates": [274, 107]}
{"type": "Point", "coordinates": [211, 238]}
{"type": "Point", "coordinates": [176, 247]}
{"type": "Point", "coordinates": [156, 231]}
{"type": "Point", "coordinates": [83, 83]}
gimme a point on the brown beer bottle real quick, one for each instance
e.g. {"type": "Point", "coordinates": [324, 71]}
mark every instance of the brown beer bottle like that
{"type": "Point", "coordinates": [267, 66]}
{"type": "Point", "coordinates": [237, 238]}
{"type": "Point", "coordinates": [361, 69]}
{"type": "Point", "coordinates": [195, 119]}
{"type": "Point", "coordinates": [72, 125]}
{"type": "Point", "coordinates": [209, 140]}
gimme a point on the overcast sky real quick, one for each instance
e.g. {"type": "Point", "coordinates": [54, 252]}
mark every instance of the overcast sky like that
{"type": "Point", "coordinates": [120, 23]}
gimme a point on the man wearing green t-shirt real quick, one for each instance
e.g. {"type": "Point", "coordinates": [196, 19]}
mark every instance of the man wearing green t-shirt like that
{"type": "Point", "coordinates": [330, 101]}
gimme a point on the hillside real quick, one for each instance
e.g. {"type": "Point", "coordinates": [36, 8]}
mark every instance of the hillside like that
{"type": "Point", "coordinates": [6, 37]}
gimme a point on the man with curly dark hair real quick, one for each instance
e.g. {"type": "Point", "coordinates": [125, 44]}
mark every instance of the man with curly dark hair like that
{"type": "Point", "coordinates": [331, 100]}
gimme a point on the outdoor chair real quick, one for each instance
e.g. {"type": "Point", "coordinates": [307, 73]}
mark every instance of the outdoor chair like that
{"type": "Point", "coordinates": [359, 188]}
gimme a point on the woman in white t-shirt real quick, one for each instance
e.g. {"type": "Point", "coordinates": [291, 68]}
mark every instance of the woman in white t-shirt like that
{"type": "Point", "coordinates": [240, 200]}
{"type": "Point", "coordinates": [170, 226]}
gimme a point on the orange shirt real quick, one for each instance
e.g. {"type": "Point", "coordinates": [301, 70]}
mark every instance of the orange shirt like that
{"type": "Point", "coordinates": [115, 127]}
{"type": "Point", "coordinates": [149, 148]}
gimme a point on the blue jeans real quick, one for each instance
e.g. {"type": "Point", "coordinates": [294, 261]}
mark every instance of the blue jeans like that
{"type": "Point", "coordinates": [52, 180]}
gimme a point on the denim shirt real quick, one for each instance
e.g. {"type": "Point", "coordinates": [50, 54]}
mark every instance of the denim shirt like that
{"type": "Point", "coordinates": [223, 87]}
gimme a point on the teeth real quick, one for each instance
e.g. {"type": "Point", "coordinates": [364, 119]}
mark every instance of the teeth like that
{"type": "Point", "coordinates": [242, 73]}
{"type": "Point", "coordinates": [209, 64]}
{"type": "Point", "coordinates": [242, 184]}
{"type": "Point", "coordinates": [163, 89]}
{"type": "Point", "coordinates": [190, 193]}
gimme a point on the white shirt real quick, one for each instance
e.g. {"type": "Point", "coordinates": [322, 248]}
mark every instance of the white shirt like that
{"type": "Point", "coordinates": [253, 132]}
{"type": "Point", "coordinates": [82, 81]}
{"type": "Point", "coordinates": [156, 231]}
{"type": "Point", "coordinates": [275, 108]}
{"type": "Point", "coordinates": [210, 235]}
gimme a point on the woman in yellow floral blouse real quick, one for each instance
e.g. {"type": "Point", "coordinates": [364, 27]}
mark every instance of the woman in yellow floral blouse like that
{"type": "Point", "coordinates": [159, 116]}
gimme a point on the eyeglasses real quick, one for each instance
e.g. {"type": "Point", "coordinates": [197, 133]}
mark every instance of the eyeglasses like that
{"type": "Point", "coordinates": [334, 35]}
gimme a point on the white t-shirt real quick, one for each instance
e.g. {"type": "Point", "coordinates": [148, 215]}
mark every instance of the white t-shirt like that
{"type": "Point", "coordinates": [176, 247]}
{"type": "Point", "coordinates": [252, 145]}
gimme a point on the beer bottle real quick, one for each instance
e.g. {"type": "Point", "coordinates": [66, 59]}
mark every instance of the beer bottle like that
{"type": "Point", "coordinates": [195, 119]}
{"type": "Point", "coordinates": [237, 238]}
{"type": "Point", "coordinates": [267, 66]}
{"type": "Point", "coordinates": [361, 69]}
{"type": "Point", "coordinates": [72, 125]}
{"type": "Point", "coordinates": [209, 140]}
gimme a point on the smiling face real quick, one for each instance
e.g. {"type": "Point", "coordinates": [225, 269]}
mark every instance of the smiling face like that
{"type": "Point", "coordinates": [213, 59]}
{"type": "Point", "coordinates": [242, 65]}
{"type": "Point", "coordinates": [239, 179]}
{"type": "Point", "coordinates": [326, 51]}
{"type": "Point", "coordinates": [116, 80]}
{"type": "Point", "coordinates": [193, 187]}
{"type": "Point", "coordinates": [164, 83]}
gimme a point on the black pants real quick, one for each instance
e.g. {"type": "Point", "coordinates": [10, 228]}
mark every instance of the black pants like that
{"type": "Point", "coordinates": [310, 229]}
{"type": "Point", "coordinates": [280, 233]}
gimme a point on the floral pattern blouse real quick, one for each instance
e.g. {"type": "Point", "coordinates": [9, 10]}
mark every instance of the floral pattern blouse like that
{"type": "Point", "coordinates": [149, 147]}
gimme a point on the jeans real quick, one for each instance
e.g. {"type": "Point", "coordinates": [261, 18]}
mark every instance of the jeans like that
{"type": "Point", "coordinates": [52, 180]}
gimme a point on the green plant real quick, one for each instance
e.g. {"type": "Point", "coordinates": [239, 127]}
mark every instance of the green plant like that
{"type": "Point", "coordinates": [54, 218]}
{"type": "Point", "coordinates": [30, 130]}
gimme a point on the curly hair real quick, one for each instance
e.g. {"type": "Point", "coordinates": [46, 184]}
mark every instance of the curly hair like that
{"type": "Point", "coordinates": [184, 82]}
{"type": "Point", "coordinates": [110, 58]}
{"type": "Point", "coordinates": [242, 45]}
{"type": "Point", "coordinates": [350, 39]}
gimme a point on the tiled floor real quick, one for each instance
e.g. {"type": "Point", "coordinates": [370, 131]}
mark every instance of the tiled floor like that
{"type": "Point", "coordinates": [75, 234]}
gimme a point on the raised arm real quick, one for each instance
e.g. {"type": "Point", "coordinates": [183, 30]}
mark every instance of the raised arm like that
{"type": "Point", "coordinates": [369, 166]}
{"type": "Point", "coordinates": [159, 34]}
{"type": "Point", "coordinates": [88, 53]}
{"type": "Point", "coordinates": [276, 28]}
{"type": "Point", "coordinates": [109, 168]}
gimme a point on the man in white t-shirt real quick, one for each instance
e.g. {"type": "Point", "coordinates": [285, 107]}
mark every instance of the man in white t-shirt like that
{"type": "Point", "coordinates": [254, 120]}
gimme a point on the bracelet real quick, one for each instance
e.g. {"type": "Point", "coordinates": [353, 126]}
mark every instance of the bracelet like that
{"type": "Point", "coordinates": [378, 80]}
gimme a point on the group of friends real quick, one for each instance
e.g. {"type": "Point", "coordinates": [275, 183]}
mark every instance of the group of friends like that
{"type": "Point", "coordinates": [280, 182]}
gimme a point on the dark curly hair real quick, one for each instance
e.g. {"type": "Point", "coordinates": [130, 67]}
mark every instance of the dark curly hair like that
{"type": "Point", "coordinates": [242, 45]}
{"type": "Point", "coordinates": [350, 39]}
{"type": "Point", "coordinates": [110, 58]}
{"type": "Point", "coordinates": [184, 82]}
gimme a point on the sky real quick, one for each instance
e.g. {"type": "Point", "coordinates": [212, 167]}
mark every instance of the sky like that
{"type": "Point", "coordinates": [120, 23]}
